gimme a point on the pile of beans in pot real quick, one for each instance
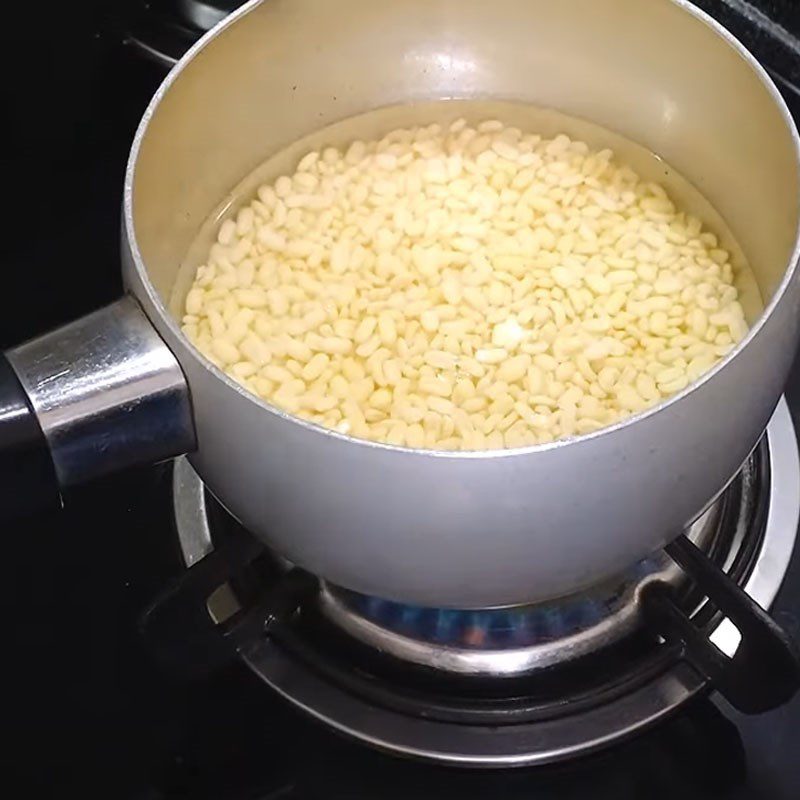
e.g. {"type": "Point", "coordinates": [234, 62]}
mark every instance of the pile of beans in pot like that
{"type": "Point", "coordinates": [464, 288]}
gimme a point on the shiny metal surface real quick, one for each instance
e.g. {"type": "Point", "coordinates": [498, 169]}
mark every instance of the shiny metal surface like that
{"type": "Point", "coordinates": [544, 742]}
{"type": "Point", "coordinates": [191, 514]}
{"type": "Point", "coordinates": [108, 393]}
{"type": "Point", "coordinates": [495, 528]}
{"type": "Point", "coordinates": [205, 15]}
{"type": "Point", "coordinates": [152, 52]}
{"type": "Point", "coordinates": [552, 739]}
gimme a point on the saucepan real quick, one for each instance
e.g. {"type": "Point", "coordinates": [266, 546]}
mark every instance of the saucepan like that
{"type": "Point", "coordinates": [466, 529]}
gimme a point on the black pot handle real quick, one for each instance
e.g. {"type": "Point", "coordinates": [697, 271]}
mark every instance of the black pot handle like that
{"type": "Point", "coordinates": [27, 477]}
{"type": "Point", "coordinates": [764, 673]}
{"type": "Point", "coordinates": [100, 394]}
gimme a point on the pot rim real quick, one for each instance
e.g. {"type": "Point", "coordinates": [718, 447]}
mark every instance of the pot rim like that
{"type": "Point", "coordinates": [153, 296]}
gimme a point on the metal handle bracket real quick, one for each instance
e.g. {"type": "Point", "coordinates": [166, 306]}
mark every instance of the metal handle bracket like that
{"type": "Point", "coordinates": [107, 392]}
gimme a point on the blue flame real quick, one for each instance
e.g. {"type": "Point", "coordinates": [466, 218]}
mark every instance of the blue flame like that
{"type": "Point", "coordinates": [497, 629]}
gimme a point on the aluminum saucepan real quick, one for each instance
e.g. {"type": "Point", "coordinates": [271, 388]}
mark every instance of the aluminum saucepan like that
{"type": "Point", "coordinates": [435, 528]}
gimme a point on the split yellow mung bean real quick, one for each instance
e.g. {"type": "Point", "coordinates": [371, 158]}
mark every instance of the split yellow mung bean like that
{"type": "Point", "coordinates": [464, 287]}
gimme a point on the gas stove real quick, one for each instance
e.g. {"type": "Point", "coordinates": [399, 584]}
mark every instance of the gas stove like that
{"type": "Point", "coordinates": [548, 681]}
{"type": "Point", "coordinates": [590, 696]}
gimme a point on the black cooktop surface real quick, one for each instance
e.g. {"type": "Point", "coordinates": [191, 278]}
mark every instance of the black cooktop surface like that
{"type": "Point", "coordinates": [84, 707]}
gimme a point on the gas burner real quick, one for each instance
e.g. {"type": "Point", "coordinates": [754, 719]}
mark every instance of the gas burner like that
{"type": "Point", "coordinates": [519, 639]}
{"type": "Point", "coordinates": [508, 686]}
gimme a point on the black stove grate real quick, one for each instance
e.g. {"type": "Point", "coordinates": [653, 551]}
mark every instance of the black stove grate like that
{"type": "Point", "coordinates": [770, 29]}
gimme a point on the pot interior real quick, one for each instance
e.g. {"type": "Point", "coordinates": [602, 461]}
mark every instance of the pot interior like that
{"type": "Point", "coordinates": [654, 73]}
